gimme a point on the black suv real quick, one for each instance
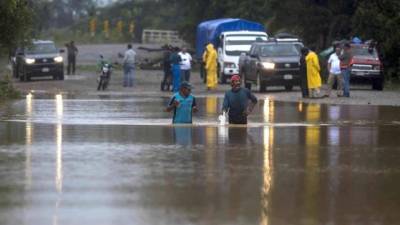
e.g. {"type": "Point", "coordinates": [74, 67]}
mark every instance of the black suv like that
{"type": "Point", "coordinates": [272, 63]}
{"type": "Point", "coordinates": [41, 58]}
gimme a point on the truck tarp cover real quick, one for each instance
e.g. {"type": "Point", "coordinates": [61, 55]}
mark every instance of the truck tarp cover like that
{"type": "Point", "coordinates": [209, 31]}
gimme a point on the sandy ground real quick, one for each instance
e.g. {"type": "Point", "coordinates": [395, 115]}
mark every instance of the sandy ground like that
{"type": "Point", "coordinates": [147, 83]}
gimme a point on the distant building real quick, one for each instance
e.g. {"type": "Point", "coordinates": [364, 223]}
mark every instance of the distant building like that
{"type": "Point", "coordinates": [150, 36]}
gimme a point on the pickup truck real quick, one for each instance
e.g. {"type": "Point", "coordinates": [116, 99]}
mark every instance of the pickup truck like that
{"type": "Point", "coordinates": [366, 66]}
{"type": "Point", "coordinates": [271, 63]}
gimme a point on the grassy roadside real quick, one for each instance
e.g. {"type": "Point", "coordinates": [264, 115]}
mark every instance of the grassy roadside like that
{"type": "Point", "coordinates": [393, 85]}
{"type": "Point", "coordinates": [7, 90]}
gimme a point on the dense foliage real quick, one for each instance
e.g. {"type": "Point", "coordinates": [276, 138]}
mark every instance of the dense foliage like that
{"type": "Point", "coordinates": [317, 22]}
{"type": "Point", "coordinates": [15, 23]}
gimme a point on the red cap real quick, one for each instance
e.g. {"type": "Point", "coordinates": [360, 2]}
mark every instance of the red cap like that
{"type": "Point", "coordinates": [235, 78]}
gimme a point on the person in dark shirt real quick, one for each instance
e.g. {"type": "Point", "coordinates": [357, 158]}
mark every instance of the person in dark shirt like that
{"type": "Point", "coordinates": [166, 82]}
{"type": "Point", "coordinates": [345, 60]}
{"type": "Point", "coordinates": [238, 102]}
{"type": "Point", "coordinates": [72, 52]}
{"type": "Point", "coordinates": [303, 73]}
{"type": "Point", "coordinates": [175, 60]}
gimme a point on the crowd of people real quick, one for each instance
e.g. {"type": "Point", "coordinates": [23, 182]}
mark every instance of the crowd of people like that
{"type": "Point", "coordinates": [238, 102]}
{"type": "Point", "coordinates": [338, 68]}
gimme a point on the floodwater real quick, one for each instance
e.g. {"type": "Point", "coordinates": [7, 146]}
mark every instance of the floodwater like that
{"type": "Point", "coordinates": [120, 161]}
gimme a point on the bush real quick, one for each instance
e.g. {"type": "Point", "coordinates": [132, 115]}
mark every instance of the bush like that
{"type": "Point", "coordinates": [7, 90]}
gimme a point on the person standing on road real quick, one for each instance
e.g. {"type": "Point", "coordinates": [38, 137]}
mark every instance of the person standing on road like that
{"type": "Point", "coordinates": [238, 102]}
{"type": "Point", "coordinates": [313, 75]}
{"type": "Point", "coordinates": [166, 82]}
{"type": "Point", "coordinates": [303, 73]}
{"type": "Point", "coordinates": [203, 72]}
{"type": "Point", "coordinates": [183, 104]}
{"type": "Point", "coordinates": [211, 67]}
{"type": "Point", "coordinates": [72, 52]}
{"type": "Point", "coordinates": [345, 59]}
{"type": "Point", "coordinates": [176, 69]}
{"type": "Point", "coordinates": [335, 73]}
{"type": "Point", "coordinates": [128, 64]}
{"type": "Point", "coordinates": [186, 64]}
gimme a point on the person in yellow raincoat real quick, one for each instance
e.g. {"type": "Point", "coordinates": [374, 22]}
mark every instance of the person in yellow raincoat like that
{"type": "Point", "coordinates": [313, 76]}
{"type": "Point", "coordinates": [211, 67]}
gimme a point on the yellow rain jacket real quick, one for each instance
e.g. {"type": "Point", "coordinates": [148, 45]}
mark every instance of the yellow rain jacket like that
{"type": "Point", "coordinates": [211, 66]}
{"type": "Point", "coordinates": [313, 76]}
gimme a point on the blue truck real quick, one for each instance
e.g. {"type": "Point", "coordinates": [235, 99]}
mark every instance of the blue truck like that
{"type": "Point", "coordinates": [231, 37]}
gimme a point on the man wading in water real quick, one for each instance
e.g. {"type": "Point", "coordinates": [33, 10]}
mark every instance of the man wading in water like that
{"type": "Point", "coordinates": [183, 104]}
{"type": "Point", "coordinates": [236, 102]}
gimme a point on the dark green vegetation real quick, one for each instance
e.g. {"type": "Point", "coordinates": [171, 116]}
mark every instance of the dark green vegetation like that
{"type": "Point", "coordinates": [15, 23]}
{"type": "Point", "coordinates": [7, 91]}
{"type": "Point", "coordinates": [318, 22]}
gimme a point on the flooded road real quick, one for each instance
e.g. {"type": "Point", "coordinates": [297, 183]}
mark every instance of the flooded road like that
{"type": "Point", "coordinates": [120, 161]}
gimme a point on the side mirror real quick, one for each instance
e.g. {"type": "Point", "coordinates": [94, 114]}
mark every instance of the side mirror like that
{"type": "Point", "coordinates": [20, 53]}
{"type": "Point", "coordinates": [254, 56]}
{"type": "Point", "coordinates": [62, 50]}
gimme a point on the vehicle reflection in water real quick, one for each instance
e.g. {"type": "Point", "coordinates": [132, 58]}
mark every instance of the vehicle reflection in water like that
{"type": "Point", "coordinates": [59, 161]}
{"type": "Point", "coordinates": [295, 163]}
{"type": "Point", "coordinates": [28, 141]}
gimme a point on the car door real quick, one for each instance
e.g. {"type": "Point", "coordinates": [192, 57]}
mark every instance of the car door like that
{"type": "Point", "coordinates": [253, 61]}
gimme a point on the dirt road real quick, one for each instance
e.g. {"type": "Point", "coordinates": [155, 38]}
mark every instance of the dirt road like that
{"type": "Point", "coordinates": [147, 82]}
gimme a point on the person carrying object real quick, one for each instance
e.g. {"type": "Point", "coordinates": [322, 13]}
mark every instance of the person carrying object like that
{"type": "Point", "coordinates": [239, 102]}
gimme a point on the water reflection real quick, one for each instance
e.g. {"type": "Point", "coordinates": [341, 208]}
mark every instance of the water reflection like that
{"type": "Point", "coordinates": [183, 135]}
{"type": "Point", "coordinates": [28, 140]}
{"type": "Point", "coordinates": [294, 164]}
{"type": "Point", "coordinates": [269, 110]}
{"type": "Point", "coordinates": [59, 134]}
{"type": "Point", "coordinates": [268, 143]}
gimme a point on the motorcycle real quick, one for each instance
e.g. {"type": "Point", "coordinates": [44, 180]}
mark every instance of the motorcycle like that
{"type": "Point", "coordinates": [105, 74]}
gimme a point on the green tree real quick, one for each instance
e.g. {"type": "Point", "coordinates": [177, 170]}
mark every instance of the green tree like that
{"type": "Point", "coordinates": [380, 20]}
{"type": "Point", "coordinates": [15, 23]}
{"type": "Point", "coordinates": [318, 22]}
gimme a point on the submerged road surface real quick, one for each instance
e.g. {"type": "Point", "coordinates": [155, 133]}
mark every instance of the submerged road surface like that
{"type": "Point", "coordinates": [120, 161]}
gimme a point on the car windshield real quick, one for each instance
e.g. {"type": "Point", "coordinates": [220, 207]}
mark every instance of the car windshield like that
{"type": "Point", "coordinates": [237, 44]}
{"type": "Point", "coordinates": [364, 51]}
{"type": "Point", "coordinates": [274, 50]}
{"type": "Point", "coordinates": [41, 48]}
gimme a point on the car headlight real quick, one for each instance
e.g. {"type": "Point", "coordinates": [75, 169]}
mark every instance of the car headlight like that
{"type": "Point", "coordinates": [58, 59]}
{"type": "Point", "coordinates": [268, 65]}
{"type": "Point", "coordinates": [29, 61]}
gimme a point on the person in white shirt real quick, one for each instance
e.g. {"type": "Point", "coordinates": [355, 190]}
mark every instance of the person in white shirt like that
{"type": "Point", "coordinates": [185, 65]}
{"type": "Point", "coordinates": [335, 73]}
{"type": "Point", "coordinates": [129, 66]}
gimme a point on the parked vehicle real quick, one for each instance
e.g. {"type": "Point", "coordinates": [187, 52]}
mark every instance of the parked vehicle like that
{"type": "Point", "coordinates": [366, 66]}
{"type": "Point", "coordinates": [105, 74]}
{"type": "Point", "coordinates": [230, 37]}
{"type": "Point", "coordinates": [41, 58]}
{"type": "Point", "coordinates": [272, 63]}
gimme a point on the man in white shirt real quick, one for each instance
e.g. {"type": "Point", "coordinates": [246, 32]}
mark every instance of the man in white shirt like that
{"type": "Point", "coordinates": [129, 66]}
{"type": "Point", "coordinates": [185, 64]}
{"type": "Point", "coordinates": [335, 73]}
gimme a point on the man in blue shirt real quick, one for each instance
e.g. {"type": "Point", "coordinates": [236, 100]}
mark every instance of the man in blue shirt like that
{"type": "Point", "coordinates": [236, 102]}
{"type": "Point", "coordinates": [183, 104]}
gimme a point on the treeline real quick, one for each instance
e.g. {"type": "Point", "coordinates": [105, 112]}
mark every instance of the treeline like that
{"type": "Point", "coordinates": [317, 22]}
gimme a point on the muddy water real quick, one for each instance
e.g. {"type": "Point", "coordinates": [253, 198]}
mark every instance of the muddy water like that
{"type": "Point", "coordinates": [120, 161]}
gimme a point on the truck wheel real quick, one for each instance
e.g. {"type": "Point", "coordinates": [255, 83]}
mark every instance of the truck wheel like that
{"type": "Point", "coordinates": [261, 85]}
{"type": "Point", "coordinates": [377, 84]}
{"type": "Point", "coordinates": [246, 83]}
{"type": "Point", "coordinates": [288, 87]}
